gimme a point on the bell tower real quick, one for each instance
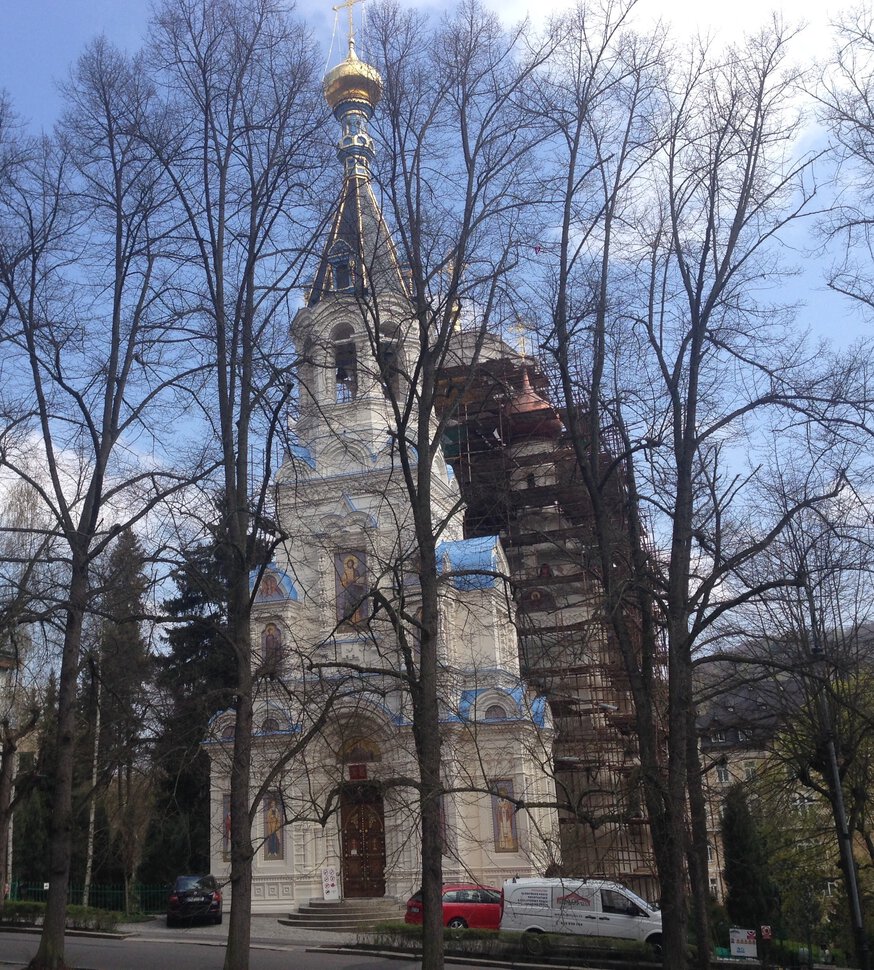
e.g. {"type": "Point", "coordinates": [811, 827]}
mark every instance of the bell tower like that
{"type": "Point", "coordinates": [352, 335]}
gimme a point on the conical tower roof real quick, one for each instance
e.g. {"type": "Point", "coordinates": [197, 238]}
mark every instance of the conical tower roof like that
{"type": "Point", "coordinates": [359, 256]}
{"type": "Point", "coordinates": [528, 415]}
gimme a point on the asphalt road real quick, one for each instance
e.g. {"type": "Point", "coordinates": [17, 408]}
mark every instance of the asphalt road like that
{"type": "Point", "coordinates": [197, 948]}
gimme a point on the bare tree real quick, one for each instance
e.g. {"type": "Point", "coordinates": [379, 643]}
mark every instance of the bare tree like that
{"type": "Point", "coordinates": [238, 144]}
{"type": "Point", "coordinates": [80, 273]}
{"type": "Point", "coordinates": [453, 171]}
{"type": "Point", "coordinates": [816, 657]}
{"type": "Point", "coordinates": [669, 359]}
{"type": "Point", "coordinates": [25, 603]}
{"type": "Point", "coordinates": [846, 98]}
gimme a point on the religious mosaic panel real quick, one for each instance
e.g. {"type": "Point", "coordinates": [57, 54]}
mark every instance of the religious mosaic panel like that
{"type": "Point", "coordinates": [274, 833]}
{"type": "Point", "coordinates": [352, 588]}
{"type": "Point", "coordinates": [504, 816]}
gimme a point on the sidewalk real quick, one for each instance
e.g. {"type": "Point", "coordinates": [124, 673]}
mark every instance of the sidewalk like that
{"type": "Point", "coordinates": [266, 931]}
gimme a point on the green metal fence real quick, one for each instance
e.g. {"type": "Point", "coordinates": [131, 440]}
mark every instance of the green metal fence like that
{"type": "Point", "coordinates": [143, 899]}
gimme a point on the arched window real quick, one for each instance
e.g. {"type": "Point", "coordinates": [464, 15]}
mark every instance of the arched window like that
{"type": "Point", "coordinates": [345, 365]}
{"type": "Point", "coordinates": [388, 358]}
{"type": "Point", "coordinates": [228, 732]}
{"type": "Point", "coordinates": [270, 725]}
{"type": "Point", "coordinates": [342, 263]}
{"type": "Point", "coordinates": [494, 712]}
{"type": "Point", "coordinates": [271, 645]}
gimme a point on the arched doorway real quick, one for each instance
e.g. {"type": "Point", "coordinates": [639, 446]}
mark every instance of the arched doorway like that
{"type": "Point", "coordinates": [362, 838]}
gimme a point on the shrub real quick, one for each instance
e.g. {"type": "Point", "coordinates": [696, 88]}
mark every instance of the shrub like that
{"type": "Point", "coordinates": [28, 913]}
{"type": "Point", "coordinates": [508, 945]}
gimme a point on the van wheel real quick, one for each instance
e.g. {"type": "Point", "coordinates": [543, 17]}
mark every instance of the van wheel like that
{"type": "Point", "coordinates": [655, 943]}
{"type": "Point", "coordinates": [535, 943]}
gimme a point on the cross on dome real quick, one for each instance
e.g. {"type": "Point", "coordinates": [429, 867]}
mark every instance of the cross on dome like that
{"type": "Point", "coordinates": [347, 5]}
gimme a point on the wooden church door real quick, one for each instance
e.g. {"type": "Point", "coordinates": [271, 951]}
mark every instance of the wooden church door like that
{"type": "Point", "coordinates": [362, 824]}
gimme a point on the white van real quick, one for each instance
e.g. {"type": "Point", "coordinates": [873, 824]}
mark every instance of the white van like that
{"type": "Point", "coordinates": [590, 907]}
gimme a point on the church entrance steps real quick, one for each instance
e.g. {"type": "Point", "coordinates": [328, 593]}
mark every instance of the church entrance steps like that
{"type": "Point", "coordinates": [344, 915]}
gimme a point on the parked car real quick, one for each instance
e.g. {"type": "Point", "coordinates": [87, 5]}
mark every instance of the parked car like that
{"type": "Point", "coordinates": [589, 907]}
{"type": "Point", "coordinates": [464, 905]}
{"type": "Point", "coordinates": [194, 897]}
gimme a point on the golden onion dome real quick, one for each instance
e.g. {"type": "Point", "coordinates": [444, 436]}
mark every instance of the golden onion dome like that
{"type": "Point", "coordinates": [352, 80]}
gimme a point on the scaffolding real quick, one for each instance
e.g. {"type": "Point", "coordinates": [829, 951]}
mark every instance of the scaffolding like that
{"type": "Point", "coordinates": [527, 489]}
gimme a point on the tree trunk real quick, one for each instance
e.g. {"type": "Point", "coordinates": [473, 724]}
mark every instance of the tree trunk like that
{"type": "Point", "coordinates": [8, 755]}
{"type": "Point", "coordinates": [240, 916]}
{"type": "Point", "coordinates": [92, 807]}
{"type": "Point", "coordinates": [697, 851]}
{"type": "Point", "coordinates": [426, 731]}
{"type": "Point", "coordinates": [50, 954]}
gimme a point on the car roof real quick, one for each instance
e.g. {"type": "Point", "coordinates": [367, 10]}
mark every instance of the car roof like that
{"type": "Point", "coordinates": [468, 885]}
{"type": "Point", "coordinates": [564, 881]}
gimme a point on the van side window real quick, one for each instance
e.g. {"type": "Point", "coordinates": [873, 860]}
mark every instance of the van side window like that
{"type": "Point", "coordinates": [616, 903]}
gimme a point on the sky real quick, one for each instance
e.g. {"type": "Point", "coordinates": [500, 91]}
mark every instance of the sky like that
{"type": "Point", "coordinates": [42, 38]}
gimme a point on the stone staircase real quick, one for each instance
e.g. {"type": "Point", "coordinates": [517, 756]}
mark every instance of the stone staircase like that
{"type": "Point", "coordinates": [345, 915]}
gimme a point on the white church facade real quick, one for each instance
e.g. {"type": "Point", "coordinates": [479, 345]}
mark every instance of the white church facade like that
{"type": "Point", "coordinates": [334, 621]}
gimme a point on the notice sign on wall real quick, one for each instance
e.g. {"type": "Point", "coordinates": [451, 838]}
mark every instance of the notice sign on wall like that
{"type": "Point", "coordinates": [742, 943]}
{"type": "Point", "coordinates": [330, 885]}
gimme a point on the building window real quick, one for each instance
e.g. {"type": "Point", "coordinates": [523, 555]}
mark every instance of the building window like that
{"type": "Point", "coordinates": [270, 725]}
{"type": "Point", "coordinates": [346, 372]}
{"type": "Point", "coordinates": [710, 852]}
{"type": "Point", "coordinates": [718, 737]}
{"type": "Point", "coordinates": [343, 267]}
{"type": "Point", "coordinates": [749, 770]}
{"type": "Point", "coordinates": [496, 713]}
{"type": "Point", "coordinates": [723, 776]}
{"type": "Point", "coordinates": [389, 370]}
{"type": "Point", "coordinates": [803, 804]}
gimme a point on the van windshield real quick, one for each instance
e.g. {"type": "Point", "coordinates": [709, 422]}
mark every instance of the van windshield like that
{"type": "Point", "coordinates": [648, 907]}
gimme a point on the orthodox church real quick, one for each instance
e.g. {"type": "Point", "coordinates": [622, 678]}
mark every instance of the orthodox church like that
{"type": "Point", "coordinates": [334, 765]}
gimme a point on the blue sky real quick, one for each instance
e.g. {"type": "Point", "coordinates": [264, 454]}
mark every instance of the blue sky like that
{"type": "Point", "coordinates": [42, 38]}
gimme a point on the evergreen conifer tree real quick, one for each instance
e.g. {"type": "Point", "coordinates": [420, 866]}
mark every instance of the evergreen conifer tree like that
{"type": "Point", "coordinates": [194, 678]}
{"type": "Point", "coordinates": [750, 892]}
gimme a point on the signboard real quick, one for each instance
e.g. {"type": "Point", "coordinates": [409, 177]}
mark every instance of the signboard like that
{"type": "Point", "coordinates": [330, 885]}
{"type": "Point", "coordinates": [742, 943]}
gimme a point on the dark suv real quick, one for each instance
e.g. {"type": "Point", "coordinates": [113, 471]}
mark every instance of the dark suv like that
{"type": "Point", "coordinates": [194, 897]}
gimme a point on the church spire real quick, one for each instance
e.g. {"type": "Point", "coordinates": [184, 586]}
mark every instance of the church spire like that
{"type": "Point", "coordinates": [359, 254]}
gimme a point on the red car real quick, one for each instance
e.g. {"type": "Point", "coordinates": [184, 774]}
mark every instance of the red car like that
{"type": "Point", "coordinates": [464, 905]}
